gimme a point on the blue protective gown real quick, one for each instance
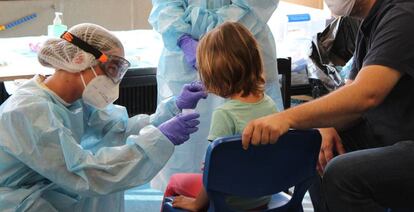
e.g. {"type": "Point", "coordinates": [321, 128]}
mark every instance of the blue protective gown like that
{"type": "Point", "coordinates": [75, 158]}
{"type": "Point", "coordinates": [173, 18]}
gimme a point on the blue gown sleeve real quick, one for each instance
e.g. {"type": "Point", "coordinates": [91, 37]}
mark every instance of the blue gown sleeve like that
{"type": "Point", "coordinates": [111, 127]}
{"type": "Point", "coordinates": [165, 110]}
{"type": "Point", "coordinates": [35, 135]}
{"type": "Point", "coordinates": [253, 14]}
{"type": "Point", "coordinates": [167, 18]}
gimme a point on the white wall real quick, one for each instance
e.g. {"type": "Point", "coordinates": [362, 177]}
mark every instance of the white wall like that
{"type": "Point", "coordinates": [112, 14]}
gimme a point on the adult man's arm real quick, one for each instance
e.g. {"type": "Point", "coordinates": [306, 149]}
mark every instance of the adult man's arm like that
{"type": "Point", "coordinates": [337, 109]}
{"type": "Point", "coordinates": [331, 141]}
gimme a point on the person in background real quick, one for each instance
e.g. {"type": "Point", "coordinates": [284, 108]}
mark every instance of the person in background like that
{"type": "Point", "coordinates": [181, 24]}
{"type": "Point", "coordinates": [65, 147]}
{"type": "Point", "coordinates": [373, 115]}
{"type": "Point", "coordinates": [230, 66]}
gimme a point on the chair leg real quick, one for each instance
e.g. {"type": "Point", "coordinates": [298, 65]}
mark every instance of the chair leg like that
{"type": "Point", "coordinates": [295, 204]}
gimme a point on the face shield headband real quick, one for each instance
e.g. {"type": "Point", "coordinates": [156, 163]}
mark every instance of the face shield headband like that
{"type": "Point", "coordinates": [114, 67]}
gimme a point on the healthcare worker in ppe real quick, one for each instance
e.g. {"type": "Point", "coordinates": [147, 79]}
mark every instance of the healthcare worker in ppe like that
{"type": "Point", "coordinates": [181, 23]}
{"type": "Point", "coordinates": [65, 147]}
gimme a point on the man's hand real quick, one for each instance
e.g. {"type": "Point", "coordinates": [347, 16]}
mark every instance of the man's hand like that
{"type": "Point", "coordinates": [264, 130]}
{"type": "Point", "coordinates": [331, 142]}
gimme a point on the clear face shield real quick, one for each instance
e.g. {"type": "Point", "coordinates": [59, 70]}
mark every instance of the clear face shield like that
{"type": "Point", "coordinates": [114, 66]}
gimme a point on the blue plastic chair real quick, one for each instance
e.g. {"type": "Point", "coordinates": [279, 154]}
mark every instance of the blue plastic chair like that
{"type": "Point", "coordinates": [260, 171]}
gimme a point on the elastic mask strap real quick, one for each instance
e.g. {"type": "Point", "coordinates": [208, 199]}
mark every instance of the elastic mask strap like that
{"type": "Point", "coordinates": [83, 81]}
{"type": "Point", "coordinates": [93, 70]}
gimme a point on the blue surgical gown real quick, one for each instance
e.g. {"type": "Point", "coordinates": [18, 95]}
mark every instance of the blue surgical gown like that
{"type": "Point", "coordinates": [172, 19]}
{"type": "Point", "coordinates": [74, 158]}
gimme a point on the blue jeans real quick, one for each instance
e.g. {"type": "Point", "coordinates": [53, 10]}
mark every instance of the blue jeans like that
{"type": "Point", "coordinates": [370, 177]}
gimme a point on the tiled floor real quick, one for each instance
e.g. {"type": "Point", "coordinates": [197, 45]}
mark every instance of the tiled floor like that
{"type": "Point", "coordinates": [145, 199]}
{"type": "Point", "coordinates": [307, 204]}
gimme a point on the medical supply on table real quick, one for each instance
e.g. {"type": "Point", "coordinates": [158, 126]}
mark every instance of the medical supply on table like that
{"type": "Point", "coordinates": [296, 36]}
{"type": "Point", "coordinates": [296, 33]}
{"type": "Point", "coordinates": [18, 22]}
{"type": "Point", "coordinates": [57, 28]}
{"type": "Point", "coordinates": [293, 27]}
{"type": "Point", "coordinates": [298, 25]}
{"type": "Point", "coordinates": [35, 47]}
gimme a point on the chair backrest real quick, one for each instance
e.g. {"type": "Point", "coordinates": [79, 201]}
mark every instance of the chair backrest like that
{"type": "Point", "coordinates": [260, 170]}
{"type": "Point", "coordinates": [284, 67]}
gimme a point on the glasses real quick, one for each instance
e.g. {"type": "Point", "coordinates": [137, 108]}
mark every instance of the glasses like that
{"type": "Point", "coordinates": [114, 66]}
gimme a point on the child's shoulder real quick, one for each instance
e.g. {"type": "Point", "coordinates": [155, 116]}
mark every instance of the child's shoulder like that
{"type": "Point", "coordinates": [222, 110]}
{"type": "Point", "coordinates": [269, 102]}
{"type": "Point", "coordinates": [268, 99]}
{"type": "Point", "coordinates": [225, 107]}
{"type": "Point", "coordinates": [234, 106]}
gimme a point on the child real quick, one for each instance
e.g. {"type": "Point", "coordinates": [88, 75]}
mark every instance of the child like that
{"type": "Point", "coordinates": [230, 66]}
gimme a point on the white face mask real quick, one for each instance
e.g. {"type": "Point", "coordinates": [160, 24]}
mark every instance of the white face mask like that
{"type": "Point", "coordinates": [100, 92]}
{"type": "Point", "coordinates": [341, 7]}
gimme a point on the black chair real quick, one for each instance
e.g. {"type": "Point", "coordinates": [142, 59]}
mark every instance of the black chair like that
{"type": "Point", "coordinates": [3, 93]}
{"type": "Point", "coordinates": [284, 66]}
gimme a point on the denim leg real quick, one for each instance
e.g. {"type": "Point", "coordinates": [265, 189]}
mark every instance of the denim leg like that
{"type": "Point", "coordinates": [356, 138]}
{"type": "Point", "coordinates": [371, 179]}
{"type": "Point", "coordinates": [315, 192]}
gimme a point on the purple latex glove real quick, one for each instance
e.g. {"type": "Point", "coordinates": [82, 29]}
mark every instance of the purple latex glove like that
{"type": "Point", "coordinates": [179, 128]}
{"type": "Point", "coordinates": [190, 95]}
{"type": "Point", "coordinates": [189, 47]}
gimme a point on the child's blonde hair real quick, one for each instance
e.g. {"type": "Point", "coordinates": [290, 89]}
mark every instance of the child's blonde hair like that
{"type": "Point", "coordinates": [229, 61]}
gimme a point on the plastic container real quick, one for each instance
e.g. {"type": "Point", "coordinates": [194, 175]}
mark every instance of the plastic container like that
{"type": "Point", "coordinates": [293, 27]}
{"type": "Point", "coordinates": [296, 30]}
{"type": "Point", "coordinates": [187, 111]}
{"type": "Point", "coordinates": [57, 28]}
{"type": "Point", "coordinates": [298, 26]}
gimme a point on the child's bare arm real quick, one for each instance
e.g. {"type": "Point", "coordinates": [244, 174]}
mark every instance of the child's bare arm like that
{"type": "Point", "coordinates": [200, 203]}
{"type": "Point", "coordinates": [202, 200]}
